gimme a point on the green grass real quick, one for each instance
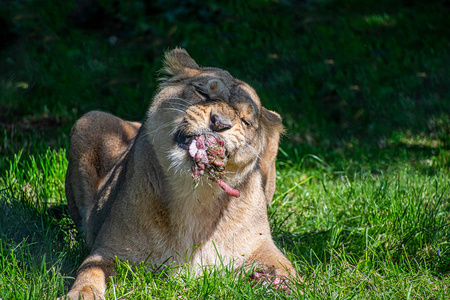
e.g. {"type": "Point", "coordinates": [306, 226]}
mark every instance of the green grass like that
{"type": "Point", "coordinates": [351, 235]}
{"type": "Point", "coordinates": [362, 206]}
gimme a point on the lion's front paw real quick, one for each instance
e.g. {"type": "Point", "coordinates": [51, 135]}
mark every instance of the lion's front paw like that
{"type": "Point", "coordinates": [263, 278]}
{"type": "Point", "coordinates": [86, 293]}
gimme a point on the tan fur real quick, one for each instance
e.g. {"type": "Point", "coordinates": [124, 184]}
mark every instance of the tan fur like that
{"type": "Point", "coordinates": [129, 187]}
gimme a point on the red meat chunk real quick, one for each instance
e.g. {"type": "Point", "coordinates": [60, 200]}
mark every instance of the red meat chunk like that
{"type": "Point", "coordinates": [209, 155]}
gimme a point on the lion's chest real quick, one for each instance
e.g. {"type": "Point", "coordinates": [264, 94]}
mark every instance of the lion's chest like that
{"type": "Point", "coordinates": [205, 228]}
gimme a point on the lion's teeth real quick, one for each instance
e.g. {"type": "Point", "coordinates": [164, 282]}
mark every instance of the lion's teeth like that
{"type": "Point", "coordinates": [187, 139]}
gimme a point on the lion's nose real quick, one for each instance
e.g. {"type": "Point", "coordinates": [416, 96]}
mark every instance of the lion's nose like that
{"type": "Point", "coordinates": [219, 123]}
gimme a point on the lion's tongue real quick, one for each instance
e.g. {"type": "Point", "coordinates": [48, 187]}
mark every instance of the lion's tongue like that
{"type": "Point", "coordinates": [228, 189]}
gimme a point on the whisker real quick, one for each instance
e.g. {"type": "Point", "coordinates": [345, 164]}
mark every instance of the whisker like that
{"type": "Point", "coordinates": [173, 130]}
{"type": "Point", "coordinates": [167, 124]}
{"type": "Point", "coordinates": [180, 99]}
{"type": "Point", "coordinates": [170, 123]}
{"type": "Point", "coordinates": [173, 109]}
{"type": "Point", "coordinates": [248, 146]}
{"type": "Point", "coordinates": [179, 104]}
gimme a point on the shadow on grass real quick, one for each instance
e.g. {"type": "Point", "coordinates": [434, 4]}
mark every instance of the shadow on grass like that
{"type": "Point", "coordinates": [40, 235]}
{"type": "Point", "coordinates": [352, 159]}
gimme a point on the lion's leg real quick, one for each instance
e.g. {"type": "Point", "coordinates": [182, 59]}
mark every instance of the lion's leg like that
{"type": "Point", "coordinates": [97, 141]}
{"type": "Point", "coordinates": [273, 267]}
{"type": "Point", "coordinates": [270, 258]}
{"type": "Point", "coordinates": [92, 277]}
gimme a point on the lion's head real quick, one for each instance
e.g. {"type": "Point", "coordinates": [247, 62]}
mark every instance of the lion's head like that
{"type": "Point", "coordinates": [196, 105]}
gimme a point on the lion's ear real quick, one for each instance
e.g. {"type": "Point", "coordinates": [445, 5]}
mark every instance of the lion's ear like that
{"type": "Point", "coordinates": [178, 62]}
{"type": "Point", "coordinates": [272, 119]}
{"type": "Point", "coordinates": [273, 128]}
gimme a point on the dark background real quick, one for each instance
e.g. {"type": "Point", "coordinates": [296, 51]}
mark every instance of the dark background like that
{"type": "Point", "coordinates": [355, 81]}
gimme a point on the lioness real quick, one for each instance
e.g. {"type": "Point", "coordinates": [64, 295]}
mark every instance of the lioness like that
{"type": "Point", "coordinates": [189, 185]}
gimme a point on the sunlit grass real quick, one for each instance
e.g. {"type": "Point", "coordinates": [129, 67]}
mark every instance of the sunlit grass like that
{"type": "Point", "coordinates": [366, 235]}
